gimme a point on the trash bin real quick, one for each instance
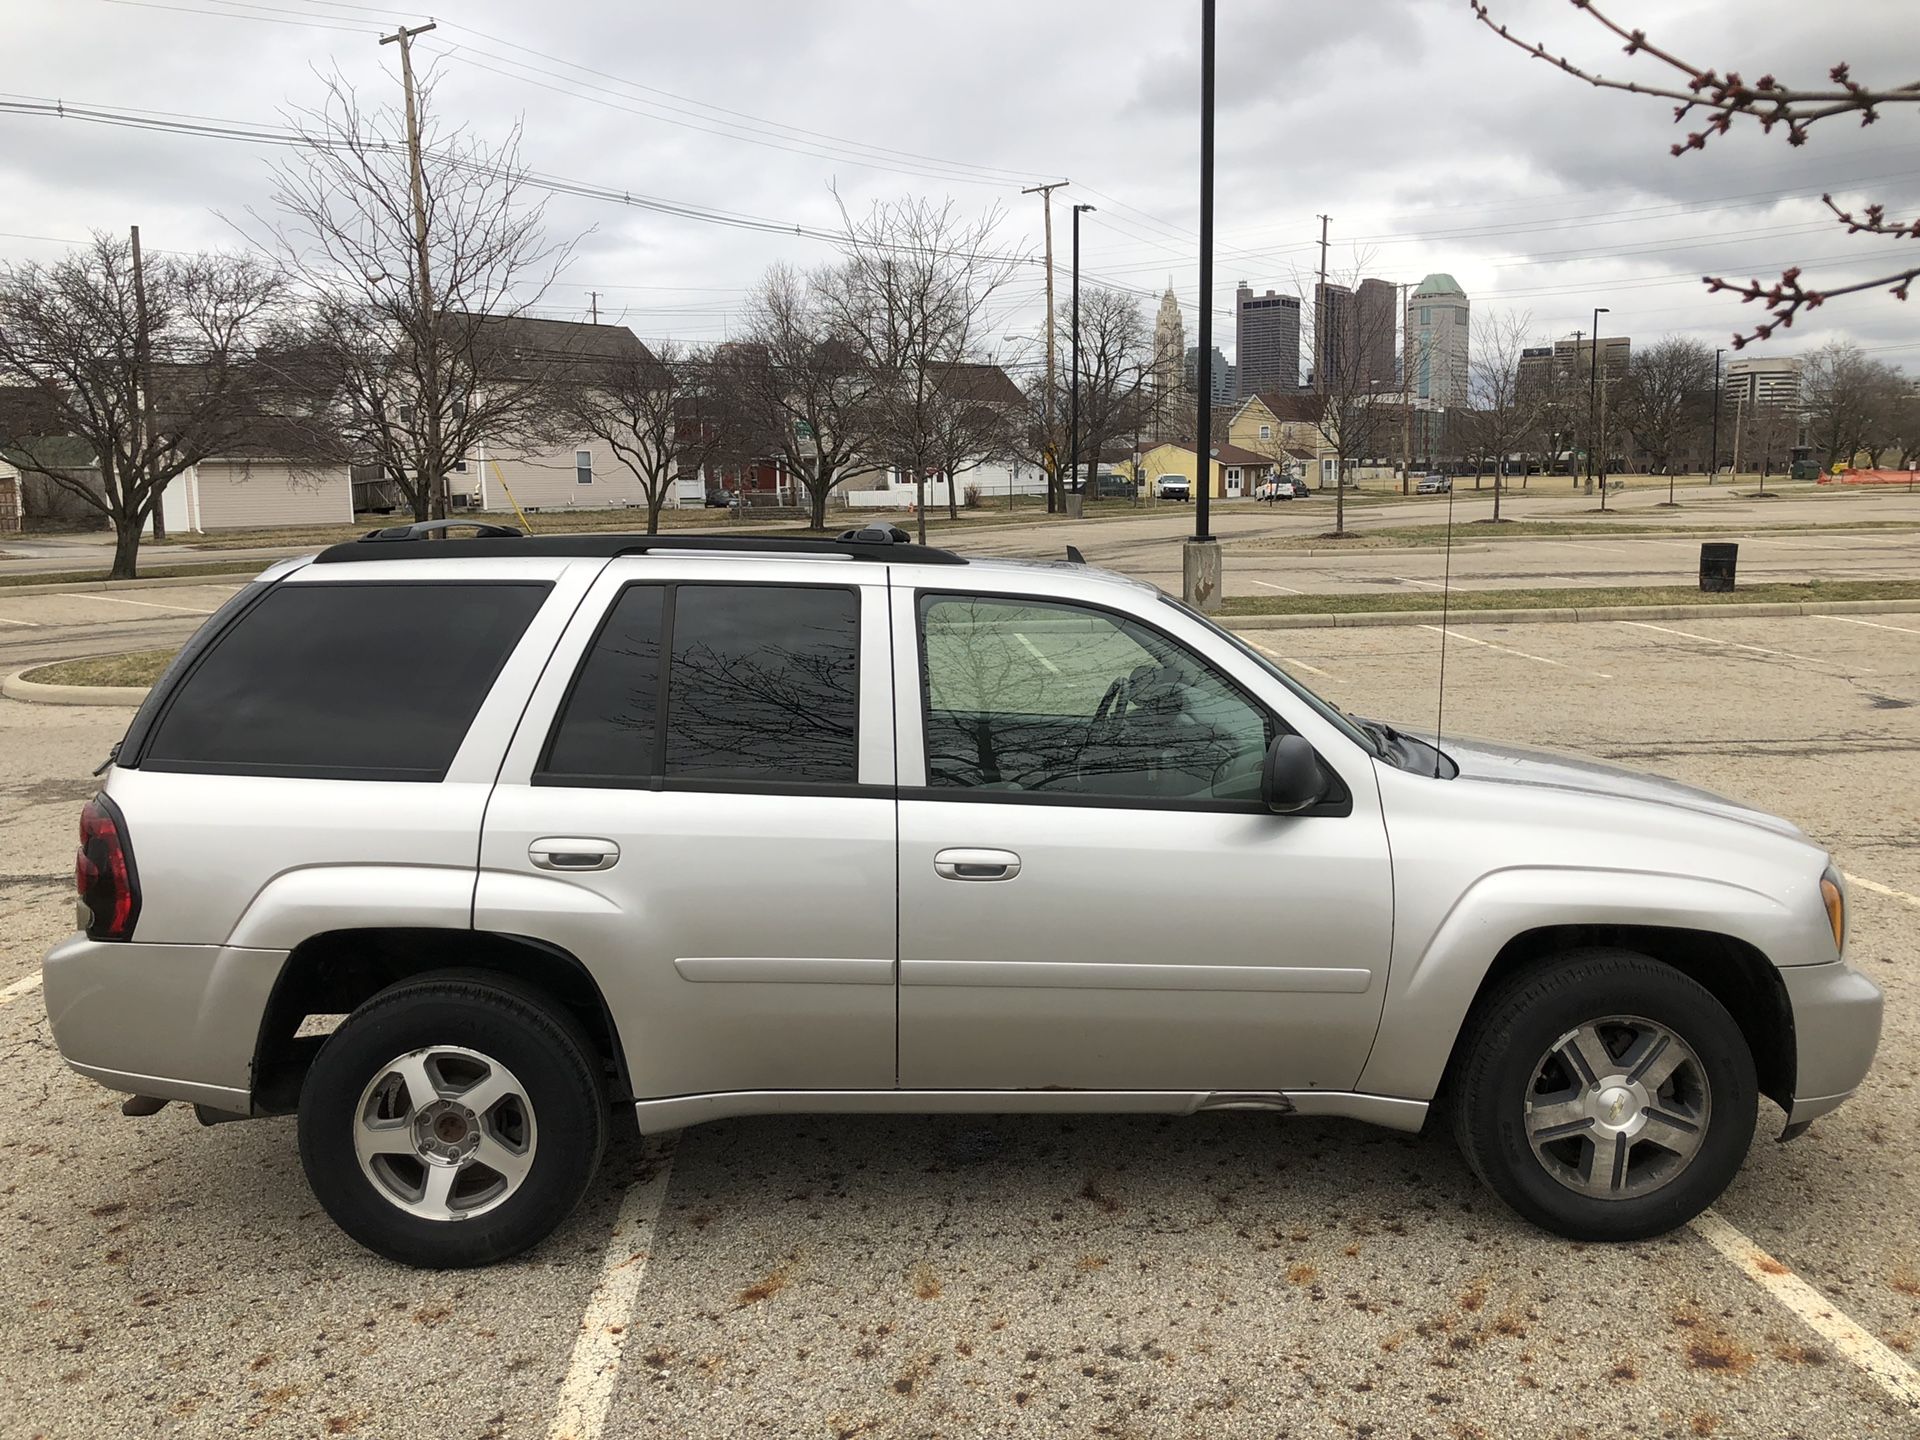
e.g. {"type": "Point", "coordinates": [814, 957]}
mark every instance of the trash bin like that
{"type": "Point", "coordinates": [1075, 500]}
{"type": "Point", "coordinates": [1717, 560]}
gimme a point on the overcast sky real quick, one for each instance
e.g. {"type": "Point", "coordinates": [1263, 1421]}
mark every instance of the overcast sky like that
{"type": "Point", "coordinates": [1432, 145]}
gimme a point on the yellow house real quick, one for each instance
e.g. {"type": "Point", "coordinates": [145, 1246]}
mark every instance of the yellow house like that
{"type": "Point", "coordinates": [1236, 471]}
{"type": "Point", "coordinates": [1256, 427]}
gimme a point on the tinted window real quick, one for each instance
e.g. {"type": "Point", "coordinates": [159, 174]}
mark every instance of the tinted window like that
{"type": "Point", "coordinates": [376, 681]}
{"type": "Point", "coordinates": [611, 721]}
{"type": "Point", "coordinates": [765, 684]}
{"type": "Point", "coordinates": [1048, 699]}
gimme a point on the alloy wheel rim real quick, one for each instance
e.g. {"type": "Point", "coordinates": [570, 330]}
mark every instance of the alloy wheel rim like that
{"type": "Point", "coordinates": [444, 1133]}
{"type": "Point", "coordinates": [1617, 1108]}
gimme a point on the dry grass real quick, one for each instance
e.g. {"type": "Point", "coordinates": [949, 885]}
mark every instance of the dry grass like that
{"type": "Point", "coordinates": [141, 667]}
{"type": "Point", "coordinates": [1569, 597]}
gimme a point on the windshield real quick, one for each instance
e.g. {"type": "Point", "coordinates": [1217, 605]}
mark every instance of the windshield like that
{"type": "Point", "coordinates": [1369, 738]}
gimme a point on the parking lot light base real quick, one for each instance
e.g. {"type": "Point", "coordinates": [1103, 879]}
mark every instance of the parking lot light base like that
{"type": "Point", "coordinates": [1200, 574]}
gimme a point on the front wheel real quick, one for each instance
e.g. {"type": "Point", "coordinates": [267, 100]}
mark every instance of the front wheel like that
{"type": "Point", "coordinates": [452, 1121]}
{"type": "Point", "coordinates": [1606, 1096]}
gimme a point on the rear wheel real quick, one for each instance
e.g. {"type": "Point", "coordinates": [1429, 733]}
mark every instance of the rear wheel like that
{"type": "Point", "coordinates": [452, 1121]}
{"type": "Point", "coordinates": [1605, 1096]}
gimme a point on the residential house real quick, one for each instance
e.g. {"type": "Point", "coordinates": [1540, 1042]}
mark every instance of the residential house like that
{"type": "Point", "coordinates": [996, 403]}
{"type": "Point", "coordinates": [1235, 471]}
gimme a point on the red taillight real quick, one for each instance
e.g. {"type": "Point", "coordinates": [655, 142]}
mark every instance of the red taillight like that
{"type": "Point", "coordinates": [103, 872]}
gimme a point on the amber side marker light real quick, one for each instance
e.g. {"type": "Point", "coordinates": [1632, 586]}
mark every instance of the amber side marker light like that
{"type": "Point", "coordinates": [1836, 909]}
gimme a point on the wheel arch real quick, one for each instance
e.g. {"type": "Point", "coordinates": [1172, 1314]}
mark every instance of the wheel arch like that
{"type": "Point", "coordinates": [334, 972]}
{"type": "Point", "coordinates": [1733, 971]}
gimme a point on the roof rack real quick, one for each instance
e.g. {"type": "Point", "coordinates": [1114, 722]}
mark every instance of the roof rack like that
{"type": "Point", "coordinates": [886, 543]}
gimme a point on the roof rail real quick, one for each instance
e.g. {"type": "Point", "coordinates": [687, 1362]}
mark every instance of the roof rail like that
{"type": "Point", "coordinates": [885, 543]}
{"type": "Point", "coordinates": [421, 528]}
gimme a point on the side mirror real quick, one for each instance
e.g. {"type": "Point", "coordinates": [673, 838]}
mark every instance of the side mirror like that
{"type": "Point", "coordinates": [1291, 779]}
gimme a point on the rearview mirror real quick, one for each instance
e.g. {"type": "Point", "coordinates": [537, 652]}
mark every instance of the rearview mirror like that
{"type": "Point", "coordinates": [1291, 779]}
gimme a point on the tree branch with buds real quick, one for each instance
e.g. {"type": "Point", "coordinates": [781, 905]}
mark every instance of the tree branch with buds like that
{"type": "Point", "coordinates": [1726, 98]}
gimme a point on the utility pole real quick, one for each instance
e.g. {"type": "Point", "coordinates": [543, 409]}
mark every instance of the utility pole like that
{"type": "Point", "coordinates": [593, 300]}
{"type": "Point", "coordinates": [143, 357]}
{"type": "Point", "coordinates": [1200, 557]}
{"type": "Point", "coordinates": [436, 482]}
{"type": "Point", "coordinates": [1322, 344]}
{"type": "Point", "coordinates": [1739, 406]}
{"type": "Point", "coordinates": [1713, 464]}
{"type": "Point", "coordinates": [1593, 393]}
{"type": "Point", "coordinates": [1073, 384]}
{"type": "Point", "coordinates": [1406, 387]}
{"type": "Point", "coordinates": [1045, 192]}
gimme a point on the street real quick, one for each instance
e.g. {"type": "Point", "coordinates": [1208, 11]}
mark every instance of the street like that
{"type": "Point", "coordinates": [1223, 1275]}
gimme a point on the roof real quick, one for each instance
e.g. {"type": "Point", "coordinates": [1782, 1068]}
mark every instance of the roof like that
{"type": "Point", "coordinates": [1222, 454]}
{"type": "Point", "coordinates": [1438, 283]}
{"type": "Point", "coordinates": [1308, 405]}
{"type": "Point", "coordinates": [981, 383]}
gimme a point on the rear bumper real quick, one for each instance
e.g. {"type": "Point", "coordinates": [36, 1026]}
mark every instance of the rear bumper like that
{"type": "Point", "coordinates": [174, 1021]}
{"type": "Point", "coordinates": [1836, 1028]}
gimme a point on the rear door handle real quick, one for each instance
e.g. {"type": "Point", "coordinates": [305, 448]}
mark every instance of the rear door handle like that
{"type": "Point", "coordinates": [976, 864]}
{"type": "Point", "coordinates": [566, 852]}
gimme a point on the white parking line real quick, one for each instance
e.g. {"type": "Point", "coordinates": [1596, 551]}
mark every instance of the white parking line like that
{"type": "Point", "coordinates": [1732, 644]}
{"type": "Point", "coordinates": [1877, 625]}
{"type": "Point", "coordinates": [1509, 650]}
{"type": "Point", "coordinates": [29, 624]}
{"type": "Point", "coordinates": [1285, 589]}
{"type": "Point", "coordinates": [1879, 889]}
{"type": "Point", "coordinates": [1814, 1310]}
{"type": "Point", "coordinates": [587, 1393]}
{"type": "Point", "coordinates": [1408, 580]}
{"type": "Point", "coordinates": [20, 987]}
{"type": "Point", "coordinates": [149, 604]}
{"type": "Point", "coordinates": [1034, 650]}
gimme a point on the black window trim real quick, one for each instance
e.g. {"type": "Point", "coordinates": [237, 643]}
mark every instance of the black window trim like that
{"type": "Point", "coordinates": [1338, 803]}
{"type": "Point", "coordinates": [659, 780]}
{"type": "Point", "coordinates": [410, 774]}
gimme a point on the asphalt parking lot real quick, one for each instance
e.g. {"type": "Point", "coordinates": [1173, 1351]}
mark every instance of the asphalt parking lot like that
{"type": "Point", "coordinates": [1226, 1275]}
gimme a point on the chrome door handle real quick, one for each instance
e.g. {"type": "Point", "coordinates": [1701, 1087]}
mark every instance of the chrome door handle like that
{"type": "Point", "coordinates": [573, 853]}
{"type": "Point", "coordinates": [976, 864]}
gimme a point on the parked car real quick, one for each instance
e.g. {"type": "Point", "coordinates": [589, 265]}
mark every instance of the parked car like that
{"type": "Point", "coordinates": [1176, 487]}
{"type": "Point", "coordinates": [718, 499]}
{"type": "Point", "coordinates": [1433, 485]}
{"type": "Point", "coordinates": [1113, 487]}
{"type": "Point", "coordinates": [1286, 487]}
{"type": "Point", "coordinates": [1049, 842]}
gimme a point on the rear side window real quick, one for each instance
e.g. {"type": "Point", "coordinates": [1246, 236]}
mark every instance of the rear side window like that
{"type": "Point", "coordinates": [345, 681]}
{"type": "Point", "coordinates": [762, 687]}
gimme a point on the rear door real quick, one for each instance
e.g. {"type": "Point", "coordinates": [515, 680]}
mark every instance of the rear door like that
{"type": "Point", "coordinates": [699, 806]}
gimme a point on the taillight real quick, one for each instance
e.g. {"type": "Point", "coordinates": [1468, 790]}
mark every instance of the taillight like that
{"type": "Point", "coordinates": [103, 872]}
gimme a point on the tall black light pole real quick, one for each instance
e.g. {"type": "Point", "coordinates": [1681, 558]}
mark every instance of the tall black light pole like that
{"type": "Point", "coordinates": [1200, 561]}
{"type": "Point", "coordinates": [1713, 465]}
{"type": "Point", "coordinates": [1073, 362]}
{"type": "Point", "coordinates": [1593, 394]}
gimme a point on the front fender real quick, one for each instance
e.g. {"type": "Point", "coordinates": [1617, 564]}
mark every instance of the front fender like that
{"type": "Point", "coordinates": [1437, 970]}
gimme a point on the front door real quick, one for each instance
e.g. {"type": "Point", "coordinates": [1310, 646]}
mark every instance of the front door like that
{"type": "Point", "coordinates": [699, 807]}
{"type": "Point", "coordinates": [1091, 894]}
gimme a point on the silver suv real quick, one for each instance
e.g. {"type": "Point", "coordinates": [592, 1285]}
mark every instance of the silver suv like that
{"type": "Point", "coordinates": [454, 846]}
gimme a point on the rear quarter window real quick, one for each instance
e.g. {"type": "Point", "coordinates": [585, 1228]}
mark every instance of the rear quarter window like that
{"type": "Point", "coordinates": [368, 681]}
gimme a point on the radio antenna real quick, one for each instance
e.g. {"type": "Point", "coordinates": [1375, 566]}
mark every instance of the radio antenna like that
{"type": "Point", "coordinates": [1446, 590]}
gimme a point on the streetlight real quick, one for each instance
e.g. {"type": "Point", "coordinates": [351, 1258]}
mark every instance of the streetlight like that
{"type": "Point", "coordinates": [1593, 403]}
{"type": "Point", "coordinates": [1200, 556]}
{"type": "Point", "coordinates": [1073, 344]}
{"type": "Point", "coordinates": [1713, 465]}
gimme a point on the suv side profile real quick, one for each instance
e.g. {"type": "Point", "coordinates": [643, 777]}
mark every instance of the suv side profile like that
{"type": "Point", "coordinates": [451, 847]}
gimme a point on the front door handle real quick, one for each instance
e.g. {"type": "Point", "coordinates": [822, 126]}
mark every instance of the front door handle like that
{"type": "Point", "coordinates": [976, 864]}
{"type": "Point", "coordinates": [557, 852]}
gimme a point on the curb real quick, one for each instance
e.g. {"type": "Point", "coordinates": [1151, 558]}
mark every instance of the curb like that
{"type": "Point", "coordinates": [158, 582]}
{"type": "Point", "coordinates": [32, 692]}
{"type": "Point", "coordinates": [1307, 620]}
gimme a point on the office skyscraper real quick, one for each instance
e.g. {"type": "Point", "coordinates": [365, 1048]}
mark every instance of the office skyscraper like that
{"type": "Point", "coordinates": [1266, 339]}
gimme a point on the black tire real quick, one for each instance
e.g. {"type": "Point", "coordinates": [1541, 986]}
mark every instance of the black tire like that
{"type": "Point", "coordinates": [1522, 1021]}
{"type": "Point", "coordinates": [539, 1044]}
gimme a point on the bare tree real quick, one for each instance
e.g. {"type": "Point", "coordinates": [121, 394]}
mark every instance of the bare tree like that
{"type": "Point", "coordinates": [1504, 414]}
{"type": "Point", "coordinates": [1668, 398]}
{"type": "Point", "coordinates": [910, 298]}
{"type": "Point", "coordinates": [1359, 412]}
{"type": "Point", "coordinates": [71, 332]}
{"type": "Point", "coordinates": [1765, 430]}
{"type": "Point", "coordinates": [1726, 98]}
{"type": "Point", "coordinates": [414, 380]}
{"type": "Point", "coordinates": [660, 413]}
{"type": "Point", "coordinates": [975, 419]}
{"type": "Point", "coordinates": [1116, 366]}
{"type": "Point", "coordinates": [801, 382]}
{"type": "Point", "coordinates": [1842, 391]}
